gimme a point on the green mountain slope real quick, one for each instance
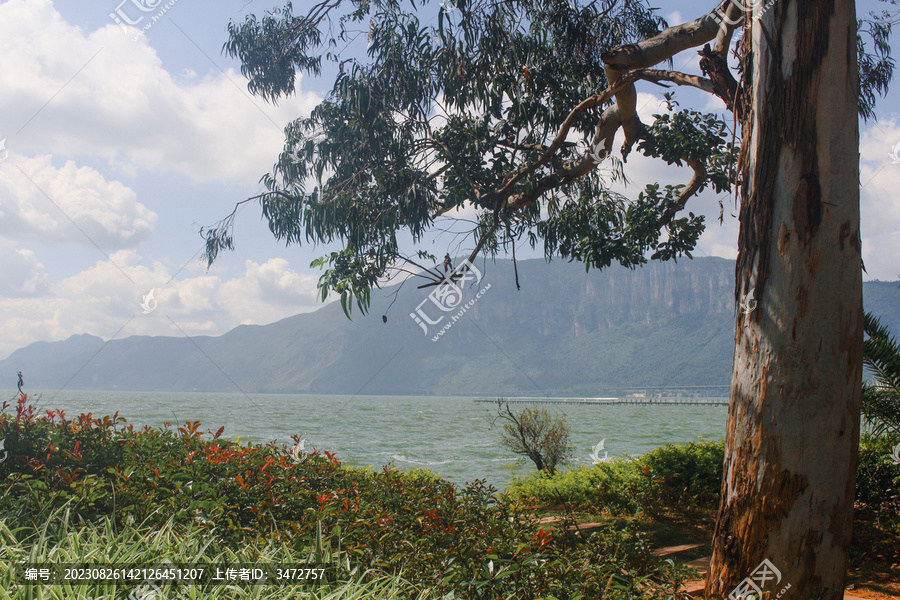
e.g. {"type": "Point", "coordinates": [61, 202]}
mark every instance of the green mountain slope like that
{"type": "Point", "coordinates": [566, 332]}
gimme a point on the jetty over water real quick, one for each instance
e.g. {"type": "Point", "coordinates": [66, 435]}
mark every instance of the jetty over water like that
{"type": "Point", "coordinates": [606, 401]}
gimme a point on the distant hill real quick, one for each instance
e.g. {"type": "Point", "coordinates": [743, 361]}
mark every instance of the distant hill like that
{"type": "Point", "coordinates": [567, 332]}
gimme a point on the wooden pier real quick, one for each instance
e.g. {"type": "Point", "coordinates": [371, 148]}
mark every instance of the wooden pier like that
{"type": "Point", "coordinates": [606, 401]}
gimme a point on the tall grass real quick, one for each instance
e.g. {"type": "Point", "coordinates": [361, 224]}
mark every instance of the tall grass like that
{"type": "Point", "coordinates": [59, 540]}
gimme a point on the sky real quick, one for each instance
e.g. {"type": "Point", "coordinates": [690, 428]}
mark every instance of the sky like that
{"type": "Point", "coordinates": [120, 146]}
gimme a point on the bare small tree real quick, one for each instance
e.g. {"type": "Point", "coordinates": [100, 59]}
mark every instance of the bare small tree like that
{"type": "Point", "coordinates": [535, 434]}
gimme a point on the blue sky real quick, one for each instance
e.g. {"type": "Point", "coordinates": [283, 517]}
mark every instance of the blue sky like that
{"type": "Point", "coordinates": [120, 148]}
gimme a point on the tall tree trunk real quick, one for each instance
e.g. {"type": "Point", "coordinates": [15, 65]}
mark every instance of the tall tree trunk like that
{"type": "Point", "coordinates": [793, 418]}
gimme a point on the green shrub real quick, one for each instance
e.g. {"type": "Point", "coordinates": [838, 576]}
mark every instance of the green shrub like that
{"type": "Point", "coordinates": [674, 478]}
{"type": "Point", "coordinates": [582, 486]}
{"type": "Point", "coordinates": [878, 482]}
{"type": "Point", "coordinates": [434, 533]}
{"type": "Point", "coordinates": [689, 474]}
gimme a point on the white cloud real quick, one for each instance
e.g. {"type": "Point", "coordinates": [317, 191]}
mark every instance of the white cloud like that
{"type": "Point", "coordinates": [101, 300]}
{"type": "Point", "coordinates": [111, 97]}
{"type": "Point", "coordinates": [879, 205]}
{"type": "Point", "coordinates": [21, 273]}
{"type": "Point", "coordinates": [648, 105]}
{"type": "Point", "coordinates": [80, 93]}
{"type": "Point", "coordinates": [277, 283]}
{"type": "Point", "coordinates": [39, 202]}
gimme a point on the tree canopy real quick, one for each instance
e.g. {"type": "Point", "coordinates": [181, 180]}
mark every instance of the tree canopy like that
{"type": "Point", "coordinates": [509, 108]}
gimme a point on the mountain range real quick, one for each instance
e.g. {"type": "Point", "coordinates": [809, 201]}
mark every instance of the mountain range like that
{"type": "Point", "coordinates": [566, 332]}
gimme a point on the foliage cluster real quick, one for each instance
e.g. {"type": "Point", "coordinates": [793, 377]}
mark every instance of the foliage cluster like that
{"type": "Point", "coordinates": [686, 479]}
{"type": "Point", "coordinates": [505, 80]}
{"type": "Point", "coordinates": [881, 397]}
{"type": "Point", "coordinates": [479, 104]}
{"type": "Point", "coordinates": [435, 534]}
{"type": "Point", "coordinates": [674, 477]}
{"type": "Point", "coordinates": [878, 483]}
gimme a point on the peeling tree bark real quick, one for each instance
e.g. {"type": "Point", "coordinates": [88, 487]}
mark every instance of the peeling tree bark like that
{"type": "Point", "coordinates": [793, 418]}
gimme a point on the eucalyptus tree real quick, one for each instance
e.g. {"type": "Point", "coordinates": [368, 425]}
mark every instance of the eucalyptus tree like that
{"type": "Point", "coordinates": [510, 110]}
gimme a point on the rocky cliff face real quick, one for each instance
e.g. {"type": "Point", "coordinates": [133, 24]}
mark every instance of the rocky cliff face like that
{"type": "Point", "coordinates": [566, 332]}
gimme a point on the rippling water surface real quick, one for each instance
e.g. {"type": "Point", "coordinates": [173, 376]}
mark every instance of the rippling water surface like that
{"type": "Point", "coordinates": [451, 435]}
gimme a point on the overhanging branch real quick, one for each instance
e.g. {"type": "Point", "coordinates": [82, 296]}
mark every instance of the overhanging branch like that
{"type": "Point", "coordinates": [678, 78]}
{"type": "Point", "coordinates": [692, 188]}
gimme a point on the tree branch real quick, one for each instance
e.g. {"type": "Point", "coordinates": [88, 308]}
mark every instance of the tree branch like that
{"type": "Point", "coordinates": [678, 78]}
{"type": "Point", "coordinates": [596, 100]}
{"type": "Point", "coordinates": [664, 46]}
{"type": "Point", "coordinates": [462, 172]}
{"type": "Point", "coordinates": [733, 16]}
{"type": "Point", "coordinates": [651, 52]}
{"type": "Point", "coordinates": [715, 65]}
{"type": "Point", "coordinates": [691, 189]}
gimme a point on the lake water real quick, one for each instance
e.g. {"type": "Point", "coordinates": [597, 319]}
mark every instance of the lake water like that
{"type": "Point", "coordinates": [451, 436]}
